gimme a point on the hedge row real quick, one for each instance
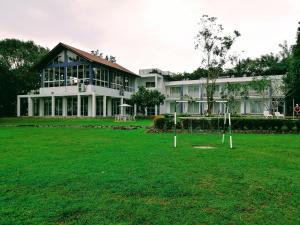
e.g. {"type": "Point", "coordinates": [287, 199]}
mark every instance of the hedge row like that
{"type": "Point", "coordinates": [214, 124]}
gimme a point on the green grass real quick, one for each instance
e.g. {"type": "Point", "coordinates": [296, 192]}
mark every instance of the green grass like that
{"type": "Point", "coordinates": [71, 121]}
{"type": "Point", "coordinates": [106, 176]}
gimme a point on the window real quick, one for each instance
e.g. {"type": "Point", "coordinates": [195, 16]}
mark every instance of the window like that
{"type": "Point", "coordinates": [193, 91]}
{"type": "Point", "coordinates": [101, 77]}
{"type": "Point", "coordinates": [72, 106]}
{"type": "Point", "coordinates": [58, 106]}
{"type": "Point", "coordinates": [72, 57]}
{"type": "Point", "coordinates": [47, 107]}
{"type": "Point", "coordinates": [150, 84]}
{"type": "Point", "coordinates": [84, 106]}
{"type": "Point", "coordinates": [117, 81]}
{"type": "Point", "coordinates": [193, 107]}
{"type": "Point", "coordinates": [72, 75]}
{"type": "Point", "coordinates": [59, 58]}
{"type": "Point", "coordinates": [175, 92]}
{"type": "Point", "coordinates": [256, 107]}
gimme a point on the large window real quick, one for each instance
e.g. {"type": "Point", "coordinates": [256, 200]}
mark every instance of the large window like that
{"type": "Point", "coordinates": [72, 106]}
{"type": "Point", "coordinates": [116, 81]}
{"type": "Point", "coordinates": [72, 75]}
{"type": "Point", "coordinates": [60, 58]}
{"type": "Point", "coordinates": [84, 105]}
{"type": "Point", "coordinates": [193, 91]}
{"type": "Point", "coordinates": [150, 84]}
{"type": "Point", "coordinates": [58, 106]}
{"type": "Point", "coordinates": [256, 107]}
{"type": "Point", "coordinates": [54, 77]}
{"type": "Point", "coordinates": [101, 77]}
{"type": "Point", "coordinates": [193, 107]}
{"type": "Point", "coordinates": [99, 106]}
{"type": "Point", "coordinates": [72, 57]}
{"type": "Point", "coordinates": [175, 92]}
{"type": "Point", "coordinates": [47, 107]}
{"type": "Point", "coordinates": [83, 74]}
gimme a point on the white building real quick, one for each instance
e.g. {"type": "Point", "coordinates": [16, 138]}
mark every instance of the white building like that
{"type": "Point", "coordinates": [77, 83]}
{"type": "Point", "coordinates": [194, 90]}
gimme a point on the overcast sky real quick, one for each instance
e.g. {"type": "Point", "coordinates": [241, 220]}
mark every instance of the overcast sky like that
{"type": "Point", "coordinates": [149, 33]}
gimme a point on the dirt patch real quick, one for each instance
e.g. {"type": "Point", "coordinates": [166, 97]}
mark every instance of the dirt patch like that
{"type": "Point", "coordinates": [203, 147]}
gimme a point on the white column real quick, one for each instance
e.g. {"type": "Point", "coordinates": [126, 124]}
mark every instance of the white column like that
{"type": "Point", "coordinates": [41, 107]}
{"type": "Point", "coordinates": [156, 85]}
{"type": "Point", "coordinates": [18, 106]}
{"type": "Point", "coordinates": [135, 109]}
{"type": "Point", "coordinates": [122, 108]}
{"type": "Point", "coordinates": [155, 110]}
{"type": "Point", "coordinates": [146, 111]}
{"type": "Point", "coordinates": [64, 106]}
{"type": "Point", "coordinates": [78, 105]}
{"type": "Point", "coordinates": [30, 106]}
{"type": "Point", "coordinates": [108, 112]}
{"type": "Point", "coordinates": [104, 106]}
{"type": "Point", "coordinates": [93, 105]}
{"type": "Point", "coordinates": [52, 106]}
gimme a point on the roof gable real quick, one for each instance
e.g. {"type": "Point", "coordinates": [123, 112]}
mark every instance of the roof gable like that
{"type": "Point", "coordinates": [85, 55]}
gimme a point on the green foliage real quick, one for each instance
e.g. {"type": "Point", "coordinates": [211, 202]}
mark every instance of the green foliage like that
{"type": "Point", "coordinates": [17, 75]}
{"type": "Point", "coordinates": [292, 79]}
{"type": "Point", "coordinates": [147, 98]}
{"type": "Point", "coordinates": [238, 123]}
{"type": "Point", "coordinates": [214, 46]}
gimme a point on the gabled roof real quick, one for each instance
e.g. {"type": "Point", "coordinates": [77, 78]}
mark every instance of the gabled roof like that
{"type": "Point", "coordinates": [85, 55]}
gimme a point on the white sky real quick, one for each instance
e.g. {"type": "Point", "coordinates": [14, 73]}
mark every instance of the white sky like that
{"type": "Point", "coordinates": [149, 33]}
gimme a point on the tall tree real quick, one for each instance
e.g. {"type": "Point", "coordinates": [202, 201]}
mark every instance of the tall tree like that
{"type": "Point", "coordinates": [17, 73]}
{"type": "Point", "coordinates": [214, 46]}
{"type": "Point", "coordinates": [292, 79]}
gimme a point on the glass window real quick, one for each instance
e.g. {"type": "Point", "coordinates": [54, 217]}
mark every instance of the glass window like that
{"type": "Point", "coordinates": [193, 107]}
{"type": "Point", "coordinates": [150, 84]}
{"type": "Point", "coordinates": [72, 57]}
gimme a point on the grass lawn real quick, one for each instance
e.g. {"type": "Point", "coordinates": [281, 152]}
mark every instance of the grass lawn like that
{"type": "Point", "coordinates": [106, 176]}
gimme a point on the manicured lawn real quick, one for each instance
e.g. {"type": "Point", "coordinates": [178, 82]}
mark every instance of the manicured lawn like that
{"type": "Point", "coordinates": [71, 121]}
{"type": "Point", "coordinates": [106, 176]}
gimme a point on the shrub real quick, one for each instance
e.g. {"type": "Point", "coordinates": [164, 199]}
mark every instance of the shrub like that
{"type": "Point", "coordinates": [238, 123]}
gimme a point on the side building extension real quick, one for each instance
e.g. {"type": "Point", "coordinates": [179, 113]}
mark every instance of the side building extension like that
{"type": "Point", "coordinates": [77, 83]}
{"type": "Point", "coordinates": [194, 90]}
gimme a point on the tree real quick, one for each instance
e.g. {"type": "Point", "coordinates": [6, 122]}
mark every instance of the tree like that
{"type": "Point", "coordinates": [17, 73]}
{"type": "Point", "coordinates": [145, 98]}
{"type": "Point", "coordinates": [231, 93]}
{"type": "Point", "coordinates": [292, 79]}
{"type": "Point", "coordinates": [215, 46]}
{"type": "Point", "coordinates": [261, 86]}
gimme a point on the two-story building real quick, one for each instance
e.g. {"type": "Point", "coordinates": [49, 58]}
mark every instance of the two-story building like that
{"type": "Point", "coordinates": [77, 83]}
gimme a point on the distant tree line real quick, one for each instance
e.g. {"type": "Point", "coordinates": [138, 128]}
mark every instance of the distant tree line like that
{"type": "Point", "coordinates": [17, 73]}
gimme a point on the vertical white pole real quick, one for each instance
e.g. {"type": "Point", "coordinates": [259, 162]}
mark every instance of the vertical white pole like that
{"type": "Point", "coordinates": [30, 106]}
{"type": "Point", "coordinates": [223, 137]}
{"type": "Point", "coordinates": [230, 137]}
{"type": "Point", "coordinates": [52, 105]}
{"type": "Point", "coordinates": [18, 106]}
{"type": "Point", "coordinates": [175, 138]}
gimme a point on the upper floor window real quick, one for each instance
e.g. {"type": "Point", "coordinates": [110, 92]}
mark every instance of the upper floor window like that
{"type": "Point", "coordinates": [60, 58]}
{"type": "Point", "coordinates": [72, 57]}
{"type": "Point", "coordinates": [150, 84]}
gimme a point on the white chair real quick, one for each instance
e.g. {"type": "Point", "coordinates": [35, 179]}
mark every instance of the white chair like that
{"type": "Point", "coordinates": [279, 115]}
{"type": "Point", "coordinates": [267, 114]}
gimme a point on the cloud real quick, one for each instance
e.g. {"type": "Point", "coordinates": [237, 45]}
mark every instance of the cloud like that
{"type": "Point", "coordinates": [149, 33]}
